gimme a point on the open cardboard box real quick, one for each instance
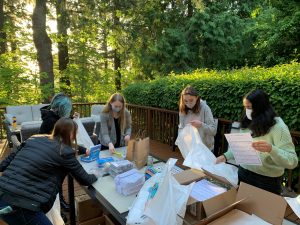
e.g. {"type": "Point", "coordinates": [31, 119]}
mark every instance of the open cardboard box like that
{"type": "Point", "coordinates": [195, 208]}
{"type": "Point", "coordinates": [87, 208]}
{"type": "Point", "coordinates": [249, 199]}
{"type": "Point", "coordinates": [103, 220]}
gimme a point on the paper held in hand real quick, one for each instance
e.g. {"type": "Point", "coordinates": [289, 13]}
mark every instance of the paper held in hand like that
{"type": "Point", "coordinates": [241, 146]}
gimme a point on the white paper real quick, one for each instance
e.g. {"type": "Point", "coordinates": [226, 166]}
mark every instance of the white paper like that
{"type": "Point", "coordinates": [237, 217]}
{"type": "Point", "coordinates": [204, 190]}
{"type": "Point", "coordinates": [241, 146]}
{"type": "Point", "coordinates": [294, 203]}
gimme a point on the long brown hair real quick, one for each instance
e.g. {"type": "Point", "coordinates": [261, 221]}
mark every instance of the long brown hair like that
{"type": "Point", "coordinates": [64, 131]}
{"type": "Point", "coordinates": [189, 90]}
{"type": "Point", "coordinates": [108, 109]}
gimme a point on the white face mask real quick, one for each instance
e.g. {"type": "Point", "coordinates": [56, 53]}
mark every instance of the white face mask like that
{"type": "Point", "coordinates": [190, 105]}
{"type": "Point", "coordinates": [115, 109]}
{"type": "Point", "coordinates": [249, 113]}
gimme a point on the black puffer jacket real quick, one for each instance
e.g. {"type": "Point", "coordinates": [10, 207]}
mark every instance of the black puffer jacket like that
{"type": "Point", "coordinates": [49, 119]}
{"type": "Point", "coordinates": [32, 175]}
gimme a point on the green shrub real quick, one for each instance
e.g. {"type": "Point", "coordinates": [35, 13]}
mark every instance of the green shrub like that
{"type": "Point", "coordinates": [224, 90]}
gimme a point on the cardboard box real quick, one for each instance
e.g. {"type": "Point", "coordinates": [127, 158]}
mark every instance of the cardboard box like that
{"type": "Point", "coordinates": [87, 208]}
{"type": "Point", "coordinates": [195, 208]}
{"type": "Point", "coordinates": [249, 199]}
{"type": "Point", "coordinates": [189, 176]}
{"type": "Point", "coordinates": [103, 220]}
{"type": "Point", "coordinates": [291, 216]}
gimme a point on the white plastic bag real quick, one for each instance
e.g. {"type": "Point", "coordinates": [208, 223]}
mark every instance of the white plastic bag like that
{"type": "Point", "coordinates": [227, 171]}
{"type": "Point", "coordinates": [83, 139]}
{"type": "Point", "coordinates": [196, 153]}
{"type": "Point", "coordinates": [54, 214]}
{"type": "Point", "coordinates": [169, 201]}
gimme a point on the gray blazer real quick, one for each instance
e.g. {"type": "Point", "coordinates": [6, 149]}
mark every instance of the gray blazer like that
{"type": "Point", "coordinates": [107, 128]}
{"type": "Point", "coordinates": [208, 129]}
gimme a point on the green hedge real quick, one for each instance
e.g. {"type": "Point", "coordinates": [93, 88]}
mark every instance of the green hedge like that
{"type": "Point", "coordinates": [224, 90]}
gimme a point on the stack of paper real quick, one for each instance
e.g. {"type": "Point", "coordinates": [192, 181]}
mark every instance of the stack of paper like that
{"type": "Point", "coordinates": [204, 190]}
{"type": "Point", "coordinates": [119, 167]}
{"type": "Point", "coordinates": [130, 182]}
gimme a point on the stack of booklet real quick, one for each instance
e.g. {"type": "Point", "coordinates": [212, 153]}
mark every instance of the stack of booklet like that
{"type": "Point", "coordinates": [119, 167]}
{"type": "Point", "coordinates": [130, 182]}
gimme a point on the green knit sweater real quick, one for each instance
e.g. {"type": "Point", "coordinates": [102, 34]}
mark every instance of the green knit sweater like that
{"type": "Point", "coordinates": [282, 155]}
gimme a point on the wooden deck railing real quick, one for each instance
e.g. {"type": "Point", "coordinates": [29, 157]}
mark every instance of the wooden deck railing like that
{"type": "Point", "coordinates": [162, 125]}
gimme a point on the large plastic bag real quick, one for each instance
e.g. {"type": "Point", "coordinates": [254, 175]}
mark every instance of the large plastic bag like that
{"type": "Point", "coordinates": [196, 153]}
{"type": "Point", "coordinates": [83, 139]}
{"type": "Point", "coordinates": [227, 171]}
{"type": "Point", "coordinates": [168, 202]}
{"type": "Point", "coordinates": [54, 214]}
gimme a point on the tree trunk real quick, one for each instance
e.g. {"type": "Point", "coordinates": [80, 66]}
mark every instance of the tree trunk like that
{"type": "Point", "coordinates": [2, 32]}
{"type": "Point", "coordinates": [63, 52]}
{"type": "Point", "coordinates": [43, 46]}
{"type": "Point", "coordinates": [117, 66]}
{"type": "Point", "coordinates": [105, 48]}
{"type": "Point", "coordinates": [117, 59]}
{"type": "Point", "coordinates": [189, 8]}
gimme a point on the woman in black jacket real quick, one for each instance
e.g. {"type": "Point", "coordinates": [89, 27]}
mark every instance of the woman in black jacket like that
{"type": "Point", "coordinates": [32, 176]}
{"type": "Point", "coordinates": [60, 107]}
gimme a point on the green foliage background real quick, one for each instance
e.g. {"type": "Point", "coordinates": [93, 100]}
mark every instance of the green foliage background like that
{"type": "Point", "coordinates": [223, 90]}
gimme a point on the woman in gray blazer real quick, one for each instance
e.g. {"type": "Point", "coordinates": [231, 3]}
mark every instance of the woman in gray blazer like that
{"type": "Point", "coordinates": [115, 128]}
{"type": "Point", "coordinates": [194, 111]}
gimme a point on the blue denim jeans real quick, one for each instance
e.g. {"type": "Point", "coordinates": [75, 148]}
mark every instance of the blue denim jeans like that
{"type": "Point", "coordinates": [22, 216]}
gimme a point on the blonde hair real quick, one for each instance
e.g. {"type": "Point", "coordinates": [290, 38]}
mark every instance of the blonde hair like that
{"type": "Point", "coordinates": [107, 109]}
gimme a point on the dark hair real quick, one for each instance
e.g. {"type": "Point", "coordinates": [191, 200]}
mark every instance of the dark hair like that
{"type": "Point", "coordinates": [63, 129]}
{"type": "Point", "coordinates": [189, 90]}
{"type": "Point", "coordinates": [263, 114]}
{"type": "Point", "coordinates": [61, 104]}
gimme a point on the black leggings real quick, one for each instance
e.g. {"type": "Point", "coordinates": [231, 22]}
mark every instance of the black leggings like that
{"type": "Point", "coordinates": [271, 184]}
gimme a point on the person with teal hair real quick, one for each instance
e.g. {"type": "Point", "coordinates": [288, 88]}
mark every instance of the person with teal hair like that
{"type": "Point", "coordinates": [60, 107]}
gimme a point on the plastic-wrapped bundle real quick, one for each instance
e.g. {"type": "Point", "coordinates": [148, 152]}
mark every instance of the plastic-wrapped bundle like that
{"type": "Point", "coordinates": [119, 167]}
{"type": "Point", "coordinates": [130, 182]}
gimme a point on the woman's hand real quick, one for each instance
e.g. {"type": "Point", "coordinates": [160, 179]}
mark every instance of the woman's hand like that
{"type": "Point", "coordinates": [111, 148]}
{"type": "Point", "coordinates": [221, 159]}
{"type": "Point", "coordinates": [87, 152]}
{"type": "Point", "coordinates": [196, 123]}
{"type": "Point", "coordinates": [126, 139]}
{"type": "Point", "coordinates": [262, 146]}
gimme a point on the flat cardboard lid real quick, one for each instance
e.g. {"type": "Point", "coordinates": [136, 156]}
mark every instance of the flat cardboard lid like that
{"type": "Point", "coordinates": [264, 204]}
{"type": "Point", "coordinates": [189, 176]}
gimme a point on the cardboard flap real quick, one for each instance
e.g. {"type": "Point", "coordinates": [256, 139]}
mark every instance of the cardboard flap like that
{"type": "Point", "coordinates": [189, 176]}
{"type": "Point", "coordinates": [219, 178]}
{"type": "Point", "coordinates": [264, 204]}
{"type": "Point", "coordinates": [222, 212]}
{"type": "Point", "coordinates": [219, 202]}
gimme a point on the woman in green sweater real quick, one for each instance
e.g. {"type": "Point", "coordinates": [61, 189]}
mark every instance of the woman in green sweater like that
{"type": "Point", "coordinates": [272, 140]}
